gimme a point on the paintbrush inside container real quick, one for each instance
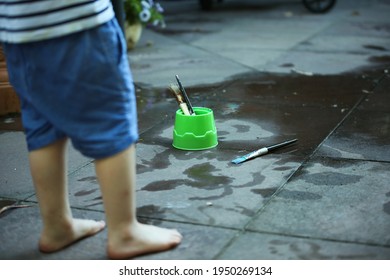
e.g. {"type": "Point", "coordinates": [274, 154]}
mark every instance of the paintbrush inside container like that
{"type": "Point", "coordinates": [184, 94]}
{"type": "Point", "coordinates": [179, 98]}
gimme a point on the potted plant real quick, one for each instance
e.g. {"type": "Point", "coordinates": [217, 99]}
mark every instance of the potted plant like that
{"type": "Point", "coordinates": [138, 14]}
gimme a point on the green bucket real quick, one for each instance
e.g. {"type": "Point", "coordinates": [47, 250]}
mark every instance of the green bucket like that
{"type": "Point", "coordinates": [195, 132]}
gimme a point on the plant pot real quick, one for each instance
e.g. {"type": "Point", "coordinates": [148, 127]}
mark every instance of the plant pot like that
{"type": "Point", "coordinates": [133, 34]}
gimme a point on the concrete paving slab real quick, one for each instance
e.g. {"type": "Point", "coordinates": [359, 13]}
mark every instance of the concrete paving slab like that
{"type": "Point", "coordinates": [371, 46]}
{"type": "Point", "coordinates": [294, 90]}
{"type": "Point", "coordinates": [254, 110]}
{"type": "Point", "coordinates": [365, 134]}
{"type": "Point", "coordinates": [199, 242]}
{"type": "Point", "coordinates": [21, 229]}
{"type": "Point", "coordinates": [332, 200]}
{"type": "Point", "coordinates": [254, 38]}
{"type": "Point", "coordinates": [378, 13]}
{"type": "Point", "coordinates": [373, 27]}
{"type": "Point", "coordinates": [158, 66]}
{"type": "Point", "coordinates": [200, 188]}
{"type": "Point", "coordinates": [153, 106]}
{"type": "Point", "coordinates": [251, 57]}
{"type": "Point", "coordinates": [194, 187]}
{"type": "Point", "coordinates": [239, 39]}
{"type": "Point", "coordinates": [378, 98]}
{"type": "Point", "coordinates": [335, 206]}
{"type": "Point", "coordinates": [276, 124]}
{"type": "Point", "coordinates": [15, 179]}
{"type": "Point", "coordinates": [244, 133]}
{"type": "Point", "coordinates": [259, 246]}
{"type": "Point", "coordinates": [318, 63]}
{"type": "Point", "coordinates": [197, 40]}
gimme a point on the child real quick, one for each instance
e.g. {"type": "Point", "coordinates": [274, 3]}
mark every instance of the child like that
{"type": "Point", "coordinates": [67, 61]}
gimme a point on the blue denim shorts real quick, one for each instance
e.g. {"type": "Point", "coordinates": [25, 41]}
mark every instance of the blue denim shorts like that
{"type": "Point", "coordinates": [77, 86]}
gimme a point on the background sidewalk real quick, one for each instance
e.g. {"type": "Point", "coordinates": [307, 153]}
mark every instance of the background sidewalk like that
{"type": "Point", "coordinates": [271, 71]}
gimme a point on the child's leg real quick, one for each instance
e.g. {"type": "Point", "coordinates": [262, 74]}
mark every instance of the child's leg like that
{"type": "Point", "coordinates": [126, 236]}
{"type": "Point", "coordinates": [48, 169]}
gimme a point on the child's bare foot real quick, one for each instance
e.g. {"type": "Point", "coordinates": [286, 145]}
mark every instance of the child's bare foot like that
{"type": "Point", "coordinates": [142, 239]}
{"type": "Point", "coordinates": [56, 239]}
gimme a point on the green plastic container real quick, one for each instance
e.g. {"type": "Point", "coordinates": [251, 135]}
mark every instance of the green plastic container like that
{"type": "Point", "coordinates": [195, 132]}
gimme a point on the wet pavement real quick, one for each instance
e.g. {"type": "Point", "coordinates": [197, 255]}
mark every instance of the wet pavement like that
{"type": "Point", "coordinates": [270, 71]}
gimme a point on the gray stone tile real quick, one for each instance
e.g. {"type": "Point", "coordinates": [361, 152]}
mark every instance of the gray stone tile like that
{"type": "Point", "coordinates": [253, 59]}
{"type": "Point", "coordinates": [373, 27]}
{"type": "Point", "coordinates": [241, 126]}
{"type": "Point", "coordinates": [365, 134]}
{"type": "Point", "coordinates": [15, 179]}
{"type": "Point", "coordinates": [336, 200]}
{"type": "Point", "coordinates": [84, 191]}
{"type": "Point", "coordinates": [255, 110]}
{"type": "Point", "coordinates": [21, 229]}
{"type": "Point", "coordinates": [346, 44]}
{"type": "Point", "coordinates": [376, 13]}
{"type": "Point", "coordinates": [76, 160]}
{"type": "Point", "coordinates": [318, 63]}
{"type": "Point", "coordinates": [258, 246]}
{"type": "Point", "coordinates": [158, 66]}
{"type": "Point", "coordinates": [153, 106]}
{"type": "Point", "coordinates": [336, 208]}
{"type": "Point", "coordinates": [378, 98]}
{"type": "Point", "coordinates": [198, 187]}
{"type": "Point", "coordinates": [199, 242]}
{"type": "Point", "coordinates": [253, 126]}
{"type": "Point", "coordinates": [261, 35]}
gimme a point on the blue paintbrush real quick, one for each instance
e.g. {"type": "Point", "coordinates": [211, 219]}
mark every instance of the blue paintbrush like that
{"type": "Point", "coordinates": [262, 151]}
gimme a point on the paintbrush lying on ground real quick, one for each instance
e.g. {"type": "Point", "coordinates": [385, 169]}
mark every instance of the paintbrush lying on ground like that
{"type": "Point", "coordinates": [184, 94]}
{"type": "Point", "coordinates": [179, 98]}
{"type": "Point", "coordinates": [262, 151]}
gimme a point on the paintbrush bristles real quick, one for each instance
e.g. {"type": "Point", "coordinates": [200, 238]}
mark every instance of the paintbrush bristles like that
{"type": "Point", "coordinates": [176, 93]}
{"type": "Point", "coordinates": [184, 94]}
{"type": "Point", "coordinates": [179, 98]}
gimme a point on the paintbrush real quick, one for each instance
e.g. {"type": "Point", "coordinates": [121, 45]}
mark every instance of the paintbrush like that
{"type": "Point", "coordinates": [179, 98]}
{"type": "Point", "coordinates": [262, 151]}
{"type": "Point", "coordinates": [184, 94]}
